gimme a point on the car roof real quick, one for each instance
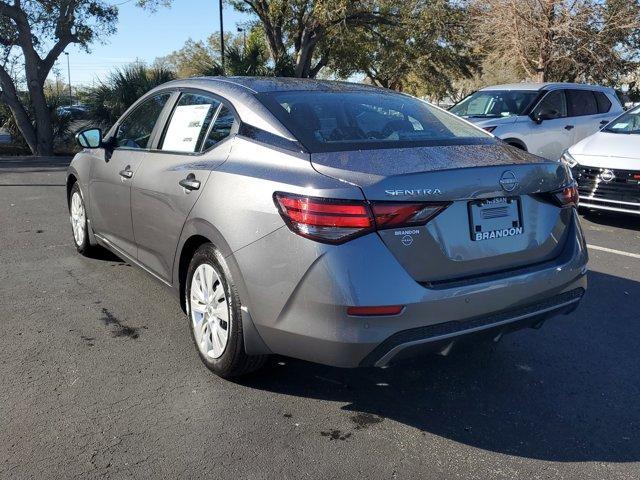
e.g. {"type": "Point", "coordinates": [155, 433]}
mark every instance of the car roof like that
{"type": "Point", "coordinates": [280, 84]}
{"type": "Point", "coordinates": [531, 86]}
{"type": "Point", "coordinates": [242, 92]}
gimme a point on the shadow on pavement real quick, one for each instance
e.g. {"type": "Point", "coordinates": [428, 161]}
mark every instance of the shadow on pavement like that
{"type": "Point", "coordinates": [569, 392]}
{"type": "Point", "coordinates": [613, 219]}
{"type": "Point", "coordinates": [33, 164]}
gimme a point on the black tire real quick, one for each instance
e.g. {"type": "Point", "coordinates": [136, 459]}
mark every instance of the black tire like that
{"type": "Point", "coordinates": [234, 361]}
{"type": "Point", "coordinates": [519, 146]}
{"type": "Point", "coordinates": [84, 247]}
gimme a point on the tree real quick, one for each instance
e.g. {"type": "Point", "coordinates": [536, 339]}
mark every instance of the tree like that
{"type": "Point", "coordinates": [36, 32]}
{"type": "Point", "coordinates": [562, 40]}
{"type": "Point", "coordinates": [202, 58]}
{"type": "Point", "coordinates": [109, 100]}
{"type": "Point", "coordinates": [296, 30]}
{"type": "Point", "coordinates": [421, 52]}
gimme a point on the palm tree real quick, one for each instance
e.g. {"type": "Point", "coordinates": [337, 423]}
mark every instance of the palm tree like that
{"type": "Point", "coordinates": [109, 100]}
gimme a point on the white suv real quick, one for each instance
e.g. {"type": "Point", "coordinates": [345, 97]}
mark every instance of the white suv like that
{"type": "Point", "coordinates": [541, 118]}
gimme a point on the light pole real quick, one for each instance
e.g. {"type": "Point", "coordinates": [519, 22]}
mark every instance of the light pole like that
{"type": "Point", "coordinates": [221, 38]}
{"type": "Point", "coordinates": [69, 78]}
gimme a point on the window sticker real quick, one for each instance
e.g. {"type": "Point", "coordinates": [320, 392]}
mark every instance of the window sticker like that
{"type": "Point", "coordinates": [184, 129]}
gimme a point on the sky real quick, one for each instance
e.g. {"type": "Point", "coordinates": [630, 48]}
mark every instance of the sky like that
{"type": "Point", "coordinates": [142, 35]}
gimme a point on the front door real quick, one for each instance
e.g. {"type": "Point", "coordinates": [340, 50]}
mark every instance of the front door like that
{"type": "Point", "coordinates": [556, 132]}
{"type": "Point", "coordinates": [172, 177]}
{"type": "Point", "coordinates": [110, 184]}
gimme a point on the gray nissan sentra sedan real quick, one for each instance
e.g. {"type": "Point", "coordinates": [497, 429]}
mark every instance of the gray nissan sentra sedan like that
{"type": "Point", "coordinates": [333, 222]}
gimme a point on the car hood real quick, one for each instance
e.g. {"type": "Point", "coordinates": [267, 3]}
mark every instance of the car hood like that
{"type": "Point", "coordinates": [492, 122]}
{"type": "Point", "coordinates": [608, 150]}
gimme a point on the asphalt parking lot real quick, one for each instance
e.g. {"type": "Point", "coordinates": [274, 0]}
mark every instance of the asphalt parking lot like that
{"type": "Point", "coordinates": [99, 378]}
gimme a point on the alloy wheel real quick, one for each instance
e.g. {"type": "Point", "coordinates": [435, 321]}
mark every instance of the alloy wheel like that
{"type": "Point", "coordinates": [209, 311]}
{"type": "Point", "coordinates": [78, 219]}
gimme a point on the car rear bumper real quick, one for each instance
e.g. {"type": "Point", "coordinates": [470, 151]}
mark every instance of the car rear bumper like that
{"type": "Point", "coordinates": [443, 337]}
{"type": "Point", "coordinates": [305, 315]}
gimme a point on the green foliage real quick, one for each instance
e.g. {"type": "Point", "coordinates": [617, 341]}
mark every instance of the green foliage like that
{"type": "Point", "coordinates": [299, 32]}
{"type": "Point", "coordinates": [109, 100]}
{"type": "Point", "coordinates": [202, 58]}
{"type": "Point", "coordinates": [33, 34]}
{"type": "Point", "coordinates": [61, 123]}
{"type": "Point", "coordinates": [421, 51]}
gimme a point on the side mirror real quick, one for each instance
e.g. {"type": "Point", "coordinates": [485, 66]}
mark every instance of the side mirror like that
{"type": "Point", "coordinates": [90, 138]}
{"type": "Point", "coordinates": [543, 115]}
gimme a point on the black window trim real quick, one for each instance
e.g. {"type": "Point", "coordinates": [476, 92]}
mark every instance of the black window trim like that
{"type": "Point", "coordinates": [205, 93]}
{"type": "Point", "coordinates": [113, 133]}
{"type": "Point", "coordinates": [159, 129]}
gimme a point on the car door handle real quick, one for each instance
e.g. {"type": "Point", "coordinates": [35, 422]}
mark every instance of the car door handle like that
{"type": "Point", "coordinates": [569, 127]}
{"type": "Point", "coordinates": [190, 183]}
{"type": "Point", "coordinates": [126, 173]}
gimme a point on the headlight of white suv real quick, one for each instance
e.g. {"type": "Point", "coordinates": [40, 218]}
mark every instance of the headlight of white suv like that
{"type": "Point", "coordinates": [568, 160]}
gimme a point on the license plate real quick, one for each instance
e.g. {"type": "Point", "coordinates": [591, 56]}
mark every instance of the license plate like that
{"type": "Point", "coordinates": [495, 218]}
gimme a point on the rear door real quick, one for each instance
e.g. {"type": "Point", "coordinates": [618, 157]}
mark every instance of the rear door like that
{"type": "Point", "coordinates": [110, 183]}
{"type": "Point", "coordinates": [556, 132]}
{"type": "Point", "coordinates": [194, 142]}
{"type": "Point", "coordinates": [584, 112]}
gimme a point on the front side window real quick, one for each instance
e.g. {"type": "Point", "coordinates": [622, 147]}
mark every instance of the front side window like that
{"type": "Point", "coordinates": [628, 122]}
{"type": "Point", "coordinates": [581, 102]}
{"type": "Point", "coordinates": [135, 130]}
{"type": "Point", "coordinates": [553, 105]}
{"type": "Point", "coordinates": [189, 123]}
{"type": "Point", "coordinates": [335, 121]}
{"type": "Point", "coordinates": [495, 103]}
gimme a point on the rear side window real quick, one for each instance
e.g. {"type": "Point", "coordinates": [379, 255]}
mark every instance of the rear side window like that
{"type": "Point", "coordinates": [604, 104]}
{"type": "Point", "coordinates": [221, 128]}
{"type": "Point", "coordinates": [189, 123]}
{"type": "Point", "coordinates": [581, 102]}
{"type": "Point", "coordinates": [135, 130]}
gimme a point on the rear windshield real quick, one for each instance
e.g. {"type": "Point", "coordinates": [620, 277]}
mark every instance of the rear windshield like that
{"type": "Point", "coordinates": [333, 121]}
{"type": "Point", "coordinates": [495, 103]}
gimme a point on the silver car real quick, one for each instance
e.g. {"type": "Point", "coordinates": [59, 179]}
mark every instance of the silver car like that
{"type": "Point", "coordinates": [542, 118]}
{"type": "Point", "coordinates": [332, 222]}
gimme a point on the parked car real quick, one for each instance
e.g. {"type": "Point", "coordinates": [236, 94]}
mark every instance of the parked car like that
{"type": "Point", "coordinates": [607, 165]}
{"type": "Point", "coordinates": [542, 118]}
{"type": "Point", "coordinates": [76, 112]}
{"type": "Point", "coordinates": [333, 222]}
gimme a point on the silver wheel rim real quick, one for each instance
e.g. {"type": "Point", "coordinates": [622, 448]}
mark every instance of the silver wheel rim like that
{"type": "Point", "coordinates": [77, 218]}
{"type": "Point", "coordinates": [209, 310]}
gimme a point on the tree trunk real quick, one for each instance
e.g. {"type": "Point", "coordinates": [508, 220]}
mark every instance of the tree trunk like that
{"type": "Point", "coordinates": [44, 128]}
{"type": "Point", "coordinates": [9, 95]}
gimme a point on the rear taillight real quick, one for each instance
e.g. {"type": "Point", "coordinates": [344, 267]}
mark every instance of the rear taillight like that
{"type": "Point", "coordinates": [336, 221]}
{"type": "Point", "coordinates": [567, 196]}
{"type": "Point", "coordinates": [399, 214]}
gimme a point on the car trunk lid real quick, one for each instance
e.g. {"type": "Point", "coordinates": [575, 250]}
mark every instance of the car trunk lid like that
{"type": "Point", "coordinates": [493, 191]}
